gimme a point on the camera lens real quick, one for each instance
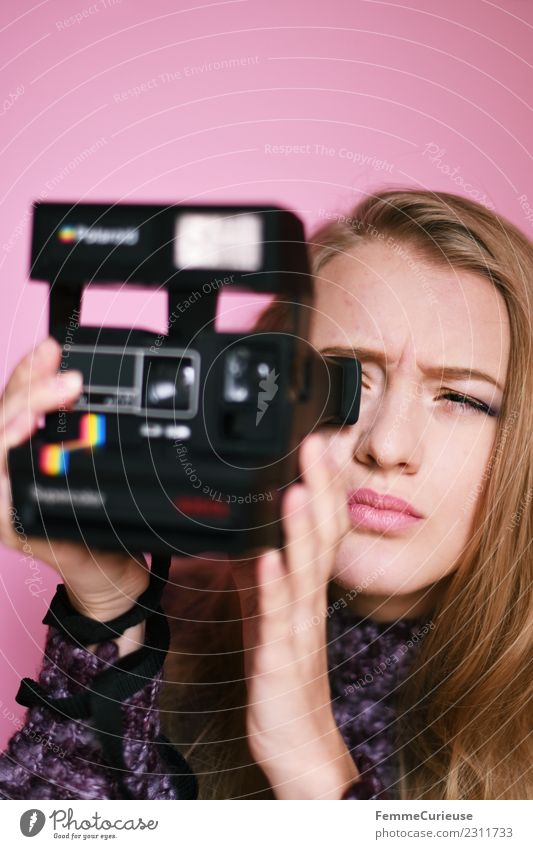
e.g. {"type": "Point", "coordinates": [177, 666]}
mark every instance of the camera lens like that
{"type": "Point", "coordinates": [237, 377]}
{"type": "Point", "coordinates": [169, 383]}
{"type": "Point", "coordinates": [244, 369]}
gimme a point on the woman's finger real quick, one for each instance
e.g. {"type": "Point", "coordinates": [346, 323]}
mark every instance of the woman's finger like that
{"type": "Point", "coordinates": [318, 480]}
{"type": "Point", "coordinates": [265, 605]}
{"type": "Point", "coordinates": [19, 423]}
{"type": "Point", "coordinates": [327, 492]}
{"type": "Point", "coordinates": [261, 583]}
{"type": "Point", "coordinates": [21, 409]}
{"type": "Point", "coordinates": [43, 361]}
{"type": "Point", "coordinates": [302, 552]}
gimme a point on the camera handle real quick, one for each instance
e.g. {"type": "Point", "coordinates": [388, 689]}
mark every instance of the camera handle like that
{"type": "Point", "coordinates": [198, 315]}
{"type": "Point", "coordinates": [160, 567]}
{"type": "Point", "coordinates": [195, 315]}
{"type": "Point", "coordinates": [65, 307]}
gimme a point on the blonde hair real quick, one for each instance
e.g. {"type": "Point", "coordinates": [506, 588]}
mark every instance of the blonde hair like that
{"type": "Point", "coordinates": [465, 708]}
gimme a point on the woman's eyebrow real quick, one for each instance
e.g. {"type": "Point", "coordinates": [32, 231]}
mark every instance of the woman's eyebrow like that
{"type": "Point", "coordinates": [449, 372]}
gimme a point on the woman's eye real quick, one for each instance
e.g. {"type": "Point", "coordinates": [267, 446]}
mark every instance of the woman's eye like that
{"type": "Point", "coordinates": [464, 403]}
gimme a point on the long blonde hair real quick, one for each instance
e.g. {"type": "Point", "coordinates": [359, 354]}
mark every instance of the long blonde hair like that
{"type": "Point", "coordinates": [465, 708]}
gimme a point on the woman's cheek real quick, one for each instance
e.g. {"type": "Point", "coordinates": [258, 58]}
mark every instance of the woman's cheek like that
{"type": "Point", "coordinates": [471, 477]}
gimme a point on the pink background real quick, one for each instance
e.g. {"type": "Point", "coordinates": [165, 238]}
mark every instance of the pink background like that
{"type": "Point", "coordinates": [122, 105]}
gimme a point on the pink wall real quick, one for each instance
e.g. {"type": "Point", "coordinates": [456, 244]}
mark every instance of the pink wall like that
{"type": "Point", "coordinates": [148, 102]}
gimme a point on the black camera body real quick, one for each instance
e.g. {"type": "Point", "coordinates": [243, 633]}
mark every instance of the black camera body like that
{"type": "Point", "coordinates": [182, 442]}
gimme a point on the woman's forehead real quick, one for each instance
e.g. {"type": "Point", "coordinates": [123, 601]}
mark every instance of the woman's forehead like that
{"type": "Point", "coordinates": [443, 312]}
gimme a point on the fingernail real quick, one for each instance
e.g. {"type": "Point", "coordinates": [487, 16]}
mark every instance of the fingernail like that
{"type": "Point", "coordinates": [70, 381]}
{"type": "Point", "coordinates": [271, 556]}
{"type": "Point", "coordinates": [318, 442]}
{"type": "Point", "coordinates": [49, 342]}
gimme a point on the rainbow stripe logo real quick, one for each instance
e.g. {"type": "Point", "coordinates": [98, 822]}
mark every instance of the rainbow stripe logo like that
{"type": "Point", "coordinates": [54, 458]}
{"type": "Point", "coordinates": [67, 234]}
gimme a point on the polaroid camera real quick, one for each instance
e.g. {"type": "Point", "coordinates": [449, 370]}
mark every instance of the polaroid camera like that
{"type": "Point", "coordinates": [184, 442]}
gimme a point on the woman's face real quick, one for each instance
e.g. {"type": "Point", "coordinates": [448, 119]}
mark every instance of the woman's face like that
{"type": "Point", "coordinates": [417, 438]}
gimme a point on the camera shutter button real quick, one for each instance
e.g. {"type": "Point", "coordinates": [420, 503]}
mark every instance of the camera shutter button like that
{"type": "Point", "coordinates": [151, 430]}
{"type": "Point", "coordinates": [177, 432]}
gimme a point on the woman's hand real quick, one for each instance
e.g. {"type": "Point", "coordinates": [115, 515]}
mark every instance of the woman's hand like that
{"type": "Point", "coordinates": [290, 724]}
{"type": "Point", "coordinates": [99, 585]}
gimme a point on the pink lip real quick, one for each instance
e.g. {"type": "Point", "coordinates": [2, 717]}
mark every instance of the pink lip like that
{"type": "Point", "coordinates": [370, 509]}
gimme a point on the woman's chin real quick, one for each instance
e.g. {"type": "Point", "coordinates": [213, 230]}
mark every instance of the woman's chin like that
{"type": "Point", "coordinates": [375, 570]}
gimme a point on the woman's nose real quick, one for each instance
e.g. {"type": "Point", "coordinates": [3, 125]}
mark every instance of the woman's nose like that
{"type": "Point", "coordinates": [390, 433]}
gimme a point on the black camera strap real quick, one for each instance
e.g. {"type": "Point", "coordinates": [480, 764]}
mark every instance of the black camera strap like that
{"type": "Point", "coordinates": [126, 677]}
{"type": "Point", "coordinates": [102, 703]}
{"type": "Point", "coordinates": [82, 629]}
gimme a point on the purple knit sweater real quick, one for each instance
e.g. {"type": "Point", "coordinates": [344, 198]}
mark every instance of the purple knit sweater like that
{"type": "Point", "coordinates": [54, 757]}
{"type": "Point", "coordinates": [368, 660]}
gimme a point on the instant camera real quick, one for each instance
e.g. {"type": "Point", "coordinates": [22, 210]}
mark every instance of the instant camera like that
{"type": "Point", "coordinates": [182, 442]}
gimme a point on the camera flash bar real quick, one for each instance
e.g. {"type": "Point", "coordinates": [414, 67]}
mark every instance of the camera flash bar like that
{"type": "Point", "coordinates": [258, 247]}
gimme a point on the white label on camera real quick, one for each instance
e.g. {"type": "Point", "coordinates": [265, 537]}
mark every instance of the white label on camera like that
{"type": "Point", "coordinates": [77, 497]}
{"type": "Point", "coordinates": [213, 240]}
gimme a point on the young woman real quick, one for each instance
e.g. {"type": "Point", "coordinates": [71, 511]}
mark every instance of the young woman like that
{"type": "Point", "coordinates": [385, 653]}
